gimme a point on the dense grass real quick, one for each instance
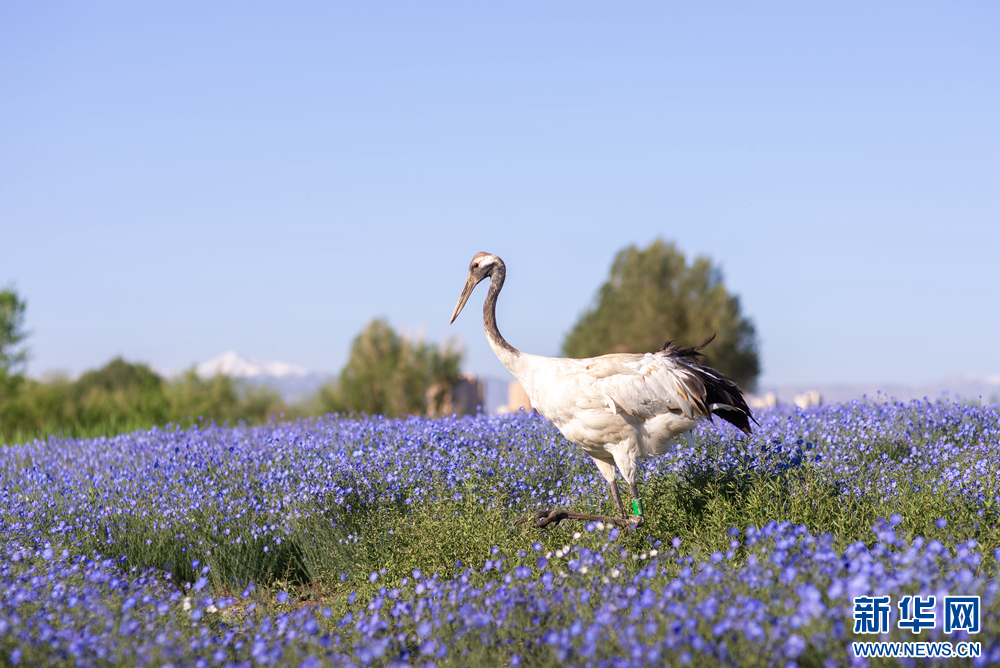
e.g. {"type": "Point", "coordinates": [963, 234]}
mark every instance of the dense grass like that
{"type": "Point", "coordinates": [340, 514]}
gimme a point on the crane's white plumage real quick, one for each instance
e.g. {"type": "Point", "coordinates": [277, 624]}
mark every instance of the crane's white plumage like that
{"type": "Point", "coordinates": [619, 408]}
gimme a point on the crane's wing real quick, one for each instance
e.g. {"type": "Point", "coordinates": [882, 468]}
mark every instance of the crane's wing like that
{"type": "Point", "coordinates": [644, 386]}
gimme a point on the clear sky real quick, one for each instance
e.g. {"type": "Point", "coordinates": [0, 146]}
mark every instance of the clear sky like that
{"type": "Point", "coordinates": [179, 179]}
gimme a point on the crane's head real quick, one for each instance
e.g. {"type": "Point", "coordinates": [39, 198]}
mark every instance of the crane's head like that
{"type": "Point", "coordinates": [482, 265]}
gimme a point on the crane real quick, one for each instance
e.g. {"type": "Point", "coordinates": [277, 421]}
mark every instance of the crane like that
{"type": "Point", "coordinates": [619, 408]}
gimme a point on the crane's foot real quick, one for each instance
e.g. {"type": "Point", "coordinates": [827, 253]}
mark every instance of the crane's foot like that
{"type": "Point", "coordinates": [543, 518]}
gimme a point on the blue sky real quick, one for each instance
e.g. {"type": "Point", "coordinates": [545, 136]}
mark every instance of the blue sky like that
{"type": "Point", "coordinates": [180, 179]}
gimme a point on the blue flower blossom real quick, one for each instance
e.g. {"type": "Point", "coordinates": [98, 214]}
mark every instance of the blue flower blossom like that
{"type": "Point", "coordinates": [212, 496]}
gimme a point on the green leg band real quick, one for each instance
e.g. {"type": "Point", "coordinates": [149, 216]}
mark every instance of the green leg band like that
{"type": "Point", "coordinates": [637, 507]}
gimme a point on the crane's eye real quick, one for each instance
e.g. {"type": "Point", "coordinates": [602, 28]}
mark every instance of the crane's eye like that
{"type": "Point", "coordinates": [475, 265]}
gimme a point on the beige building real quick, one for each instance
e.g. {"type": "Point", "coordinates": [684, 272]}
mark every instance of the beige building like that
{"type": "Point", "coordinates": [517, 398]}
{"type": "Point", "coordinates": [466, 397]}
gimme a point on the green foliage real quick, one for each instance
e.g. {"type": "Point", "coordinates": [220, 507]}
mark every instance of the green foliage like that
{"type": "Point", "coordinates": [216, 398]}
{"type": "Point", "coordinates": [119, 390]}
{"type": "Point", "coordinates": [121, 397]}
{"type": "Point", "coordinates": [388, 374]}
{"type": "Point", "coordinates": [12, 333]}
{"type": "Point", "coordinates": [654, 295]}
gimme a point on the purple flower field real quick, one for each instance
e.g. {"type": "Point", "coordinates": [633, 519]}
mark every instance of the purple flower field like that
{"type": "Point", "coordinates": [392, 542]}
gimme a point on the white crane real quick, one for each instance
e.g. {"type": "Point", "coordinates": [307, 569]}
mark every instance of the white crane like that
{"type": "Point", "coordinates": [619, 408]}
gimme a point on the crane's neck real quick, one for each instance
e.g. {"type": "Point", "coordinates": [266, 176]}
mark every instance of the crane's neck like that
{"type": "Point", "coordinates": [507, 353]}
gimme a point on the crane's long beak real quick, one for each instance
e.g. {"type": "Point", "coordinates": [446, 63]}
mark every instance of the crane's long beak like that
{"type": "Point", "coordinates": [470, 285]}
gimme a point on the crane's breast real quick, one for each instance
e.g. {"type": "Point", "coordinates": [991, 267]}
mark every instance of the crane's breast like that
{"type": "Point", "coordinates": [595, 429]}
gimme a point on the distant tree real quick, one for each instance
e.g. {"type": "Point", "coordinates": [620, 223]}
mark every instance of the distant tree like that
{"type": "Point", "coordinates": [120, 392]}
{"type": "Point", "coordinates": [12, 357]}
{"type": "Point", "coordinates": [122, 396]}
{"type": "Point", "coordinates": [118, 397]}
{"type": "Point", "coordinates": [120, 375]}
{"type": "Point", "coordinates": [654, 295]}
{"type": "Point", "coordinates": [192, 397]}
{"type": "Point", "coordinates": [388, 374]}
{"type": "Point", "coordinates": [220, 399]}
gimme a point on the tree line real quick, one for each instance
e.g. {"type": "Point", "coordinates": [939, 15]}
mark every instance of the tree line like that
{"type": "Point", "coordinates": [652, 295]}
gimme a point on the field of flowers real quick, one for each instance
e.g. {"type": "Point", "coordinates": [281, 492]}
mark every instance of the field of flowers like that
{"type": "Point", "coordinates": [392, 542]}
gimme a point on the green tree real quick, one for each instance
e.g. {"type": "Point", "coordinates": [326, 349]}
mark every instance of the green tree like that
{"type": "Point", "coordinates": [388, 374]}
{"type": "Point", "coordinates": [117, 397]}
{"type": "Point", "coordinates": [191, 397]}
{"type": "Point", "coordinates": [220, 399]}
{"type": "Point", "coordinates": [654, 295]}
{"type": "Point", "coordinates": [12, 333]}
{"type": "Point", "coordinates": [120, 392]}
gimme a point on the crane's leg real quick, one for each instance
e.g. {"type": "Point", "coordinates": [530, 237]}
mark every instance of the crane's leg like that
{"type": "Point", "coordinates": [636, 504]}
{"type": "Point", "coordinates": [544, 518]}
{"type": "Point", "coordinates": [627, 459]}
{"type": "Point", "coordinates": [617, 496]}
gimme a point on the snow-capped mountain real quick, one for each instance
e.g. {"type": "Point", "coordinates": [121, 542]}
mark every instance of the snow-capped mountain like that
{"type": "Point", "coordinates": [294, 383]}
{"type": "Point", "coordinates": [231, 363]}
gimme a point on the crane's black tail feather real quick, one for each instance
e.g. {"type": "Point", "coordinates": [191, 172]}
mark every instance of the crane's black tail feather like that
{"type": "Point", "coordinates": [726, 400]}
{"type": "Point", "coordinates": [723, 397]}
{"type": "Point", "coordinates": [692, 353]}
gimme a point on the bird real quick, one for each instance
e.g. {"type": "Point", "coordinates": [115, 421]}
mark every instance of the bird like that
{"type": "Point", "coordinates": [619, 408]}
